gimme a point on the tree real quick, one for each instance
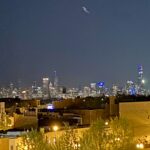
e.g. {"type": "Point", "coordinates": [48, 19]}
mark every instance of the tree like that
{"type": "Point", "coordinates": [68, 141]}
{"type": "Point", "coordinates": [115, 135]}
{"type": "Point", "coordinates": [33, 140]}
{"type": "Point", "coordinates": [4, 121]}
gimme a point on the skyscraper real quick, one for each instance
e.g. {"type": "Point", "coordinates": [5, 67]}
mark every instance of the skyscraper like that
{"type": "Point", "coordinates": [55, 80]}
{"type": "Point", "coordinates": [141, 81]}
{"type": "Point", "coordinates": [140, 74]}
{"type": "Point", "coordinates": [45, 88]}
{"type": "Point", "coordinates": [130, 88]}
{"type": "Point", "coordinates": [34, 90]}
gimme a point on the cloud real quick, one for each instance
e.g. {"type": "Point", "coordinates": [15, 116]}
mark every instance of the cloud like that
{"type": "Point", "coordinates": [85, 10]}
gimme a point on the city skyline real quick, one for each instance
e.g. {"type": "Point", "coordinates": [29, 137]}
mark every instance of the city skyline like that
{"type": "Point", "coordinates": [84, 41]}
{"type": "Point", "coordinates": [54, 81]}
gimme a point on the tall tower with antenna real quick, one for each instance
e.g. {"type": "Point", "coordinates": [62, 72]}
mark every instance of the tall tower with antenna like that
{"type": "Point", "coordinates": [55, 84]}
{"type": "Point", "coordinates": [141, 80]}
{"type": "Point", "coordinates": [140, 74]}
{"type": "Point", "coordinates": [55, 79]}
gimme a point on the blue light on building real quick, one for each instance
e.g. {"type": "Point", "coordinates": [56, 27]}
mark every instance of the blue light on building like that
{"type": "Point", "coordinates": [50, 107]}
{"type": "Point", "coordinates": [100, 84]}
{"type": "Point", "coordinates": [132, 91]}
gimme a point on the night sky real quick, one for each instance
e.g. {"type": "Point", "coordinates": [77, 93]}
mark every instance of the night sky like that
{"type": "Point", "coordinates": [83, 40]}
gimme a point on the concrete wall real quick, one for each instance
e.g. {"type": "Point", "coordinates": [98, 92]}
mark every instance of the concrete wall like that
{"type": "Point", "coordinates": [9, 143]}
{"type": "Point", "coordinates": [138, 114]}
{"type": "Point", "coordinates": [2, 107]}
{"type": "Point", "coordinates": [63, 104]}
{"type": "Point", "coordinates": [31, 103]}
{"type": "Point", "coordinates": [12, 143]}
{"type": "Point", "coordinates": [4, 144]}
{"type": "Point", "coordinates": [21, 121]}
{"type": "Point", "coordinates": [113, 108]}
{"type": "Point", "coordinates": [89, 116]}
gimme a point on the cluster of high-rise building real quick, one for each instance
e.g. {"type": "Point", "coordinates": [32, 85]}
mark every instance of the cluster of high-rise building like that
{"type": "Point", "coordinates": [50, 89]}
{"type": "Point", "coordinates": [137, 87]}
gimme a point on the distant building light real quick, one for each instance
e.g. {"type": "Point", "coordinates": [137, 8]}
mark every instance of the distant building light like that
{"type": "Point", "coordinates": [143, 81]}
{"type": "Point", "coordinates": [129, 82]}
{"type": "Point", "coordinates": [23, 92]}
{"type": "Point", "coordinates": [45, 79]}
{"type": "Point", "coordinates": [100, 84]}
{"type": "Point", "coordinates": [50, 107]}
{"type": "Point", "coordinates": [140, 146]}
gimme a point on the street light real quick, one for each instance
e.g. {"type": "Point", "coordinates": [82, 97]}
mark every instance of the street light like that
{"type": "Point", "coordinates": [106, 123]}
{"type": "Point", "coordinates": [140, 146]}
{"type": "Point", "coordinates": [55, 128]}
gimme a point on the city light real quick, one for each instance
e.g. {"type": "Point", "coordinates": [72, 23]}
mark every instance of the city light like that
{"type": "Point", "coordinates": [106, 123]}
{"type": "Point", "coordinates": [51, 89]}
{"type": "Point", "coordinates": [143, 81]}
{"type": "Point", "coordinates": [55, 128]}
{"type": "Point", "coordinates": [50, 107]}
{"type": "Point", "coordinates": [101, 84]}
{"type": "Point", "coordinates": [74, 75]}
{"type": "Point", "coordinates": [117, 139]}
{"type": "Point", "coordinates": [140, 146]}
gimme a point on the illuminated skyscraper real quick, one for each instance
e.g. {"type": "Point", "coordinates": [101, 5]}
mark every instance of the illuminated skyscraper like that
{"type": "Point", "coordinates": [140, 74]}
{"type": "Point", "coordinates": [114, 90]}
{"type": "Point", "coordinates": [130, 88]}
{"type": "Point", "coordinates": [101, 87]}
{"type": "Point", "coordinates": [55, 80]}
{"type": "Point", "coordinates": [34, 90]}
{"type": "Point", "coordinates": [93, 86]}
{"type": "Point", "coordinates": [93, 89]}
{"type": "Point", "coordinates": [56, 84]}
{"type": "Point", "coordinates": [52, 90]}
{"type": "Point", "coordinates": [45, 88]}
{"type": "Point", "coordinates": [141, 81]}
{"type": "Point", "coordinates": [86, 91]}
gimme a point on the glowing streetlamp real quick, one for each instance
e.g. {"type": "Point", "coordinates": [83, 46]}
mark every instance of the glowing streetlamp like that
{"type": "Point", "coordinates": [106, 123]}
{"type": "Point", "coordinates": [55, 128]}
{"type": "Point", "coordinates": [140, 146]}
